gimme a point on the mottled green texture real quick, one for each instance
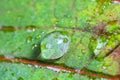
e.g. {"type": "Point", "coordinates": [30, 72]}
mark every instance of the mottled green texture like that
{"type": "Point", "coordinates": [27, 44]}
{"type": "Point", "coordinates": [106, 65]}
{"type": "Point", "coordinates": [22, 13]}
{"type": "Point", "coordinates": [19, 71]}
{"type": "Point", "coordinates": [21, 43]}
{"type": "Point", "coordinates": [13, 71]}
{"type": "Point", "coordinates": [79, 53]}
{"type": "Point", "coordinates": [62, 13]}
{"type": "Point", "coordinates": [110, 44]}
{"type": "Point", "coordinates": [92, 20]}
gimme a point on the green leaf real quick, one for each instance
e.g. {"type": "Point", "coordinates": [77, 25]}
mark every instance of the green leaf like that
{"type": "Point", "coordinates": [24, 25]}
{"type": "Point", "coordinates": [19, 71]}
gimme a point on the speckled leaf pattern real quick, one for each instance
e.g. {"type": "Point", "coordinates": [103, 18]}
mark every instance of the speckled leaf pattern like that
{"type": "Point", "coordinates": [77, 34]}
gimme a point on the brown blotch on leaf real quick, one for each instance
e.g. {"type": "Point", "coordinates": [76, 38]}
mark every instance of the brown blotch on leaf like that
{"type": "Point", "coordinates": [100, 29]}
{"type": "Point", "coordinates": [8, 28]}
{"type": "Point", "coordinates": [115, 53]}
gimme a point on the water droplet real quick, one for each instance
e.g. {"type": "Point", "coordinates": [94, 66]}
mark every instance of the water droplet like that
{"type": "Point", "coordinates": [83, 50]}
{"type": "Point", "coordinates": [34, 46]}
{"type": "Point", "coordinates": [54, 45]}
{"type": "Point", "coordinates": [38, 36]}
{"type": "Point", "coordinates": [104, 67]}
{"type": "Point", "coordinates": [8, 56]}
{"type": "Point", "coordinates": [29, 39]}
{"type": "Point", "coordinates": [29, 65]}
{"type": "Point", "coordinates": [43, 32]}
{"type": "Point", "coordinates": [36, 66]}
{"type": "Point", "coordinates": [30, 28]}
{"type": "Point", "coordinates": [104, 7]}
{"type": "Point", "coordinates": [79, 56]}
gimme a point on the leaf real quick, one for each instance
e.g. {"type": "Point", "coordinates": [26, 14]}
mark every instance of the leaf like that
{"type": "Point", "coordinates": [19, 71]}
{"type": "Point", "coordinates": [25, 24]}
{"type": "Point", "coordinates": [27, 44]}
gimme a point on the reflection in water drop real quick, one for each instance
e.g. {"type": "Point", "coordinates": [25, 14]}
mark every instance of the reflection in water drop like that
{"type": "Point", "coordinates": [65, 40]}
{"type": "Point", "coordinates": [54, 45]}
{"type": "Point", "coordinates": [60, 41]}
{"type": "Point", "coordinates": [43, 47]}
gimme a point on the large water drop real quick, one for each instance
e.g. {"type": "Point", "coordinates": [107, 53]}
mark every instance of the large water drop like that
{"type": "Point", "coordinates": [54, 45]}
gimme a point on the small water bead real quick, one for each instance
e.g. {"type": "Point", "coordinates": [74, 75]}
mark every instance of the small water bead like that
{"type": "Point", "coordinates": [83, 50]}
{"type": "Point", "coordinates": [30, 28]}
{"type": "Point", "coordinates": [54, 45]}
{"type": "Point", "coordinates": [104, 67]}
{"type": "Point", "coordinates": [29, 39]}
{"type": "Point", "coordinates": [34, 46]}
{"type": "Point", "coordinates": [36, 66]}
{"type": "Point", "coordinates": [38, 36]}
